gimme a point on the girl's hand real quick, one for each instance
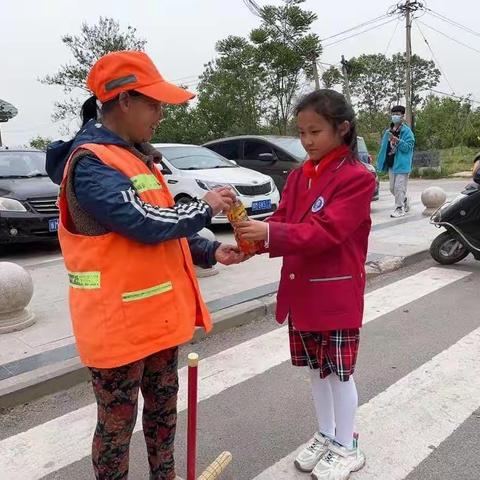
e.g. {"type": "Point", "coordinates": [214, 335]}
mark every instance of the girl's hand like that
{"type": "Point", "coordinates": [252, 230]}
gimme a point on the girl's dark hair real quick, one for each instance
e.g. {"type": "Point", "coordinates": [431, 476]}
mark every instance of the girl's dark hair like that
{"type": "Point", "coordinates": [334, 107]}
{"type": "Point", "coordinates": [89, 109]}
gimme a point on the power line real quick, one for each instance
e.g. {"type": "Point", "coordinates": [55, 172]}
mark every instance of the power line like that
{"type": "Point", "coordinates": [453, 96]}
{"type": "Point", "coordinates": [186, 78]}
{"type": "Point", "coordinates": [364, 24]}
{"type": "Point", "coordinates": [253, 7]}
{"type": "Point", "coordinates": [404, 7]}
{"type": "Point", "coordinates": [452, 22]}
{"type": "Point", "coordinates": [449, 37]}
{"type": "Point", "coordinates": [359, 33]}
{"type": "Point", "coordinates": [327, 64]}
{"type": "Point", "coordinates": [434, 57]}
{"type": "Point", "coordinates": [393, 35]}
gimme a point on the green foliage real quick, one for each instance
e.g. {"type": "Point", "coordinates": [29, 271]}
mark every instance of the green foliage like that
{"type": "Point", "coordinates": [181, 125]}
{"type": "Point", "coordinates": [371, 127]}
{"type": "Point", "coordinates": [40, 143]}
{"type": "Point", "coordinates": [286, 50]}
{"type": "Point", "coordinates": [253, 83]}
{"type": "Point", "coordinates": [231, 96]}
{"type": "Point", "coordinates": [447, 122]}
{"type": "Point", "coordinates": [377, 82]}
{"type": "Point", "coordinates": [93, 42]}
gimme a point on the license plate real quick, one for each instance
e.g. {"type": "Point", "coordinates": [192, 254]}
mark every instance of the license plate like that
{"type": "Point", "coordinates": [53, 225]}
{"type": "Point", "coordinates": [261, 205]}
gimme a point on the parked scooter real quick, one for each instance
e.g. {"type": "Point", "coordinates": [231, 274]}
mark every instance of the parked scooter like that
{"type": "Point", "coordinates": [461, 219]}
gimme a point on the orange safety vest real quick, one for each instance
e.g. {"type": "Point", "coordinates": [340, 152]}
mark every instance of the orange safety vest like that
{"type": "Point", "coordinates": [129, 300]}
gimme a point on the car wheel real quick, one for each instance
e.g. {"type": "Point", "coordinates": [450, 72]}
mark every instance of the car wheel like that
{"type": "Point", "coordinates": [183, 198]}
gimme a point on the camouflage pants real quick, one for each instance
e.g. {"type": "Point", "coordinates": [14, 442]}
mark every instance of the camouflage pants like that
{"type": "Point", "coordinates": [116, 391]}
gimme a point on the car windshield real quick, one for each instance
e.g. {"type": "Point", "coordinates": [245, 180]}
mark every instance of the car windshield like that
{"type": "Point", "coordinates": [292, 145]}
{"type": "Point", "coordinates": [22, 164]}
{"type": "Point", "coordinates": [194, 158]}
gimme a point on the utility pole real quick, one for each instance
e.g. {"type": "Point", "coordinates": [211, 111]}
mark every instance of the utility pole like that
{"type": "Point", "coordinates": [408, 73]}
{"type": "Point", "coordinates": [346, 82]}
{"type": "Point", "coordinates": [315, 72]}
{"type": "Point", "coordinates": [408, 9]}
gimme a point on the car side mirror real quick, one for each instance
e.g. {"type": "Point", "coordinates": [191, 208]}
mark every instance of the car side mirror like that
{"type": "Point", "coordinates": [267, 157]}
{"type": "Point", "coordinates": [233, 162]}
{"type": "Point", "coordinates": [164, 169]}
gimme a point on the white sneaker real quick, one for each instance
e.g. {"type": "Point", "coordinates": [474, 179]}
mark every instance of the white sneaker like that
{"type": "Point", "coordinates": [338, 463]}
{"type": "Point", "coordinates": [312, 453]}
{"type": "Point", "coordinates": [398, 212]}
{"type": "Point", "coordinates": [406, 205]}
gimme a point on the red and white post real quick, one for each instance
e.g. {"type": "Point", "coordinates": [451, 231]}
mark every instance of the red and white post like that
{"type": "Point", "coordinates": [192, 416]}
{"type": "Point", "coordinates": [215, 469]}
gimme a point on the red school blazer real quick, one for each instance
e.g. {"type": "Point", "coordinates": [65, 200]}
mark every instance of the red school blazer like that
{"type": "Point", "coordinates": [322, 234]}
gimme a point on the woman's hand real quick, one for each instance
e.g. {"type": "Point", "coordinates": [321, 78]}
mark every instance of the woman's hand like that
{"type": "Point", "coordinates": [229, 255]}
{"type": "Point", "coordinates": [252, 230]}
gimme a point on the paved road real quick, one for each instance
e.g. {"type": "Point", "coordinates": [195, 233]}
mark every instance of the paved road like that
{"type": "Point", "coordinates": [418, 377]}
{"type": "Point", "coordinates": [38, 253]}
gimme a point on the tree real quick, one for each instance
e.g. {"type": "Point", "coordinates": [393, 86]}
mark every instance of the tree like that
{"type": "Point", "coordinates": [181, 125]}
{"type": "Point", "coordinates": [370, 82]}
{"type": "Point", "coordinates": [424, 77]}
{"type": "Point", "coordinates": [371, 126]}
{"type": "Point", "coordinates": [93, 42]}
{"type": "Point", "coordinates": [447, 122]}
{"type": "Point", "coordinates": [252, 84]}
{"type": "Point", "coordinates": [378, 82]}
{"type": "Point", "coordinates": [332, 77]}
{"type": "Point", "coordinates": [230, 99]}
{"type": "Point", "coordinates": [286, 51]}
{"type": "Point", "coordinates": [40, 143]}
{"type": "Point", "coordinates": [231, 91]}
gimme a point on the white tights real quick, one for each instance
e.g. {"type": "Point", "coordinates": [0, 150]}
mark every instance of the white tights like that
{"type": "Point", "coordinates": [336, 403]}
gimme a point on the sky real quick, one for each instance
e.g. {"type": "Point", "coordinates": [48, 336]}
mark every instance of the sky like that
{"type": "Point", "coordinates": [181, 37]}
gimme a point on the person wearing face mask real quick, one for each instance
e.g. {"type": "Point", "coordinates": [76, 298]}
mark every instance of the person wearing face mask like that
{"type": "Point", "coordinates": [396, 157]}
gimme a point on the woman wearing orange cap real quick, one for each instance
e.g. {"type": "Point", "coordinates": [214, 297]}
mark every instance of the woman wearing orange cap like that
{"type": "Point", "coordinates": [129, 252]}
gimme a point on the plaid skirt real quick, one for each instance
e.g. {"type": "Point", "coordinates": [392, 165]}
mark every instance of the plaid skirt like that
{"type": "Point", "coordinates": [329, 352]}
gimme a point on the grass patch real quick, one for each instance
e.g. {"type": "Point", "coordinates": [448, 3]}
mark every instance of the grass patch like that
{"type": "Point", "coordinates": [457, 159]}
{"type": "Point", "coordinates": [452, 160]}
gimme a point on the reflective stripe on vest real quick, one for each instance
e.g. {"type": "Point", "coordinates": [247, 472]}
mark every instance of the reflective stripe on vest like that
{"type": "Point", "coordinates": [144, 182]}
{"type": "Point", "coordinates": [148, 292]}
{"type": "Point", "coordinates": [88, 280]}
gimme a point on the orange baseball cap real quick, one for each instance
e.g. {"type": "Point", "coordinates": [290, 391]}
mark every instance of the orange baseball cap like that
{"type": "Point", "coordinates": [118, 72]}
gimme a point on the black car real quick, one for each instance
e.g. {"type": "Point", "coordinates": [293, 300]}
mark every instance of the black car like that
{"type": "Point", "coordinates": [28, 198]}
{"type": "Point", "coordinates": [275, 156]}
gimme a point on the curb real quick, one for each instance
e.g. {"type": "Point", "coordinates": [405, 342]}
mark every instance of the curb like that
{"type": "Point", "coordinates": [29, 386]}
{"type": "Point", "coordinates": [62, 375]}
{"type": "Point", "coordinates": [393, 263]}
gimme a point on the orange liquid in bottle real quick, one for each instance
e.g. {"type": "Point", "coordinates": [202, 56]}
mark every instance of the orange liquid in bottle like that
{"type": "Point", "coordinates": [237, 214]}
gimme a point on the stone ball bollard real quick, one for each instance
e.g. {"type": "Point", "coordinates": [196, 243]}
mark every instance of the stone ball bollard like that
{"type": "Point", "coordinates": [16, 291]}
{"type": "Point", "coordinates": [433, 198]}
{"type": "Point", "coordinates": [206, 272]}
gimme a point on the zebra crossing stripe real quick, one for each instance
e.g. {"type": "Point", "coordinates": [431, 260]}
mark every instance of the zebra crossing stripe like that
{"type": "Point", "coordinates": [55, 444]}
{"type": "Point", "coordinates": [401, 426]}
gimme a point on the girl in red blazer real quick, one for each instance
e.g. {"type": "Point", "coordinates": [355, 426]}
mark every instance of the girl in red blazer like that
{"type": "Point", "coordinates": [321, 230]}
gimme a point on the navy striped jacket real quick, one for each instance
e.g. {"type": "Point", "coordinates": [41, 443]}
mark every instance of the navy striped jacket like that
{"type": "Point", "coordinates": [108, 196]}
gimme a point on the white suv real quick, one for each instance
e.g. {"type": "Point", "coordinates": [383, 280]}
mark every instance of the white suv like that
{"type": "Point", "coordinates": [191, 171]}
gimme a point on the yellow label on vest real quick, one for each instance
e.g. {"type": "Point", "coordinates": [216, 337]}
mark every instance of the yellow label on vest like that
{"type": "Point", "coordinates": [145, 182]}
{"type": "Point", "coordinates": [148, 292]}
{"type": "Point", "coordinates": [88, 280]}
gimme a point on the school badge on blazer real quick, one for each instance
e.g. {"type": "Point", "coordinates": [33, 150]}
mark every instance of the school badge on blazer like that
{"type": "Point", "coordinates": [318, 205]}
